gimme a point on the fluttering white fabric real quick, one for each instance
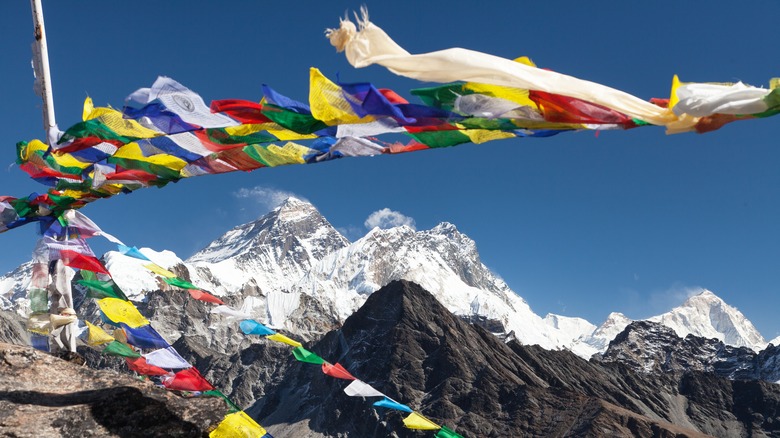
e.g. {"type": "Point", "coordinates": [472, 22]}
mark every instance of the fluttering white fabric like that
{"type": "Point", "coordinates": [359, 388]}
{"type": "Point", "coordinates": [701, 100]}
{"type": "Point", "coordinates": [371, 45]}
{"type": "Point", "coordinates": [86, 227]}
{"type": "Point", "coordinates": [167, 358]}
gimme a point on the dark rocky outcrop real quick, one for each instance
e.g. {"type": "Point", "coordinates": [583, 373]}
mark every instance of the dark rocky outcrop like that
{"type": "Point", "coordinates": [650, 347]}
{"type": "Point", "coordinates": [404, 343]}
{"type": "Point", "coordinates": [43, 396]}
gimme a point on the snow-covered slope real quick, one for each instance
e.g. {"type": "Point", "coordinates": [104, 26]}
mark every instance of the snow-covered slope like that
{"type": "Point", "coordinates": [443, 261]}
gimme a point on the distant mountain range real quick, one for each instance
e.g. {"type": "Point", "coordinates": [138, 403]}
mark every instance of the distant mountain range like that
{"type": "Point", "coordinates": [292, 259]}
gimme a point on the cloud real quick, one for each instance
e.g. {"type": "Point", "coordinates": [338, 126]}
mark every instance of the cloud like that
{"type": "Point", "coordinates": [267, 198]}
{"type": "Point", "coordinates": [386, 218]}
{"type": "Point", "coordinates": [665, 300]}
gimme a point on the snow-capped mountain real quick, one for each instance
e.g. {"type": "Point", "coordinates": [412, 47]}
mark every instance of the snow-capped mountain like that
{"type": "Point", "coordinates": [708, 316]}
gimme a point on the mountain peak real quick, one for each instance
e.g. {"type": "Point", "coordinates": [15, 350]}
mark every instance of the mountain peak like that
{"type": "Point", "coordinates": [707, 315]}
{"type": "Point", "coordinates": [293, 209]}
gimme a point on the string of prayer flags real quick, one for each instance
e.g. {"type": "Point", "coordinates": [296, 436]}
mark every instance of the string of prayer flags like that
{"type": "Point", "coordinates": [187, 380]}
{"type": "Point", "coordinates": [336, 371]}
{"type": "Point", "coordinates": [358, 388]}
{"type": "Point", "coordinates": [101, 289]}
{"type": "Point", "coordinates": [252, 327]}
{"type": "Point", "coordinates": [120, 311]}
{"type": "Point", "coordinates": [141, 366]}
{"type": "Point", "coordinates": [238, 425]}
{"type": "Point", "coordinates": [303, 355]}
{"type": "Point", "coordinates": [417, 421]}
{"type": "Point", "coordinates": [278, 337]}
{"type": "Point", "coordinates": [167, 358]}
{"type": "Point", "coordinates": [392, 404]}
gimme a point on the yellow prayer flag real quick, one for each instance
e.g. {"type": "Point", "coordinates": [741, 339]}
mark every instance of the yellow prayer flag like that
{"type": "Point", "coordinates": [417, 421]}
{"type": "Point", "coordinates": [478, 136]}
{"type": "Point", "coordinates": [117, 122]}
{"type": "Point", "coordinates": [122, 311]}
{"type": "Point", "coordinates": [278, 337]}
{"type": "Point", "coordinates": [159, 270]}
{"type": "Point", "coordinates": [673, 99]}
{"type": "Point", "coordinates": [238, 425]}
{"type": "Point", "coordinates": [526, 61]}
{"type": "Point", "coordinates": [97, 336]}
{"type": "Point", "coordinates": [774, 83]}
{"type": "Point", "coordinates": [516, 95]}
{"type": "Point", "coordinates": [328, 102]}
{"type": "Point", "coordinates": [273, 155]}
{"type": "Point", "coordinates": [88, 107]}
{"type": "Point", "coordinates": [132, 151]}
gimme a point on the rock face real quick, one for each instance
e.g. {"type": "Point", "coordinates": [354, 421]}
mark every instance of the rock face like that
{"type": "Point", "coordinates": [650, 347]}
{"type": "Point", "coordinates": [405, 344]}
{"type": "Point", "coordinates": [43, 396]}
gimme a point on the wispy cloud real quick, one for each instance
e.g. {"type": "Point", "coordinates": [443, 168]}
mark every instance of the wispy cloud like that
{"type": "Point", "coordinates": [665, 300]}
{"type": "Point", "coordinates": [263, 198]}
{"type": "Point", "coordinates": [386, 218]}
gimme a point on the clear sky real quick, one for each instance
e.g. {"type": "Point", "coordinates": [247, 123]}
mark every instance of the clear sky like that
{"type": "Point", "coordinates": [577, 224]}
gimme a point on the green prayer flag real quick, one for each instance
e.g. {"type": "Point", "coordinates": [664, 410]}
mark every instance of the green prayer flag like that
{"type": "Point", "coordinates": [178, 282]}
{"type": "Point", "coordinates": [440, 139]}
{"type": "Point", "coordinates": [39, 300]}
{"type": "Point", "coordinates": [297, 122]}
{"type": "Point", "coordinates": [116, 348]}
{"type": "Point", "coordinates": [217, 393]}
{"type": "Point", "coordinates": [102, 289]}
{"type": "Point", "coordinates": [303, 355]}
{"type": "Point", "coordinates": [446, 432]}
{"type": "Point", "coordinates": [442, 96]}
{"type": "Point", "coordinates": [93, 128]}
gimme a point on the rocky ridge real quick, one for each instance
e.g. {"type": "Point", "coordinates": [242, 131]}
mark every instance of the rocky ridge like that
{"type": "Point", "coordinates": [405, 344]}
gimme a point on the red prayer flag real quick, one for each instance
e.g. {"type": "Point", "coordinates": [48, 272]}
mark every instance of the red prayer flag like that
{"type": "Point", "coordinates": [564, 109]}
{"type": "Point", "coordinates": [79, 261]}
{"type": "Point", "coordinates": [204, 296]}
{"type": "Point", "coordinates": [337, 371]}
{"type": "Point", "coordinates": [187, 380]}
{"type": "Point", "coordinates": [140, 366]}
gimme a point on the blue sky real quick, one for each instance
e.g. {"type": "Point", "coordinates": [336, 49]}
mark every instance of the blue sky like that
{"type": "Point", "coordinates": [578, 224]}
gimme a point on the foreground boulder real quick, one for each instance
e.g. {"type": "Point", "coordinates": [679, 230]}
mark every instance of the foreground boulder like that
{"type": "Point", "coordinates": [44, 396]}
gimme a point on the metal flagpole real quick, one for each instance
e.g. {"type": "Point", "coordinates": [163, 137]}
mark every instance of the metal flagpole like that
{"type": "Point", "coordinates": [41, 71]}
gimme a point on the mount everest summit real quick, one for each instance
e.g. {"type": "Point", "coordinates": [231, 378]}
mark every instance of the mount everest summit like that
{"type": "Point", "coordinates": [291, 269]}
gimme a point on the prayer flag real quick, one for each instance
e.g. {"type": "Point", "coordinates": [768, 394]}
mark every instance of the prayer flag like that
{"type": "Point", "coordinates": [140, 366]}
{"type": "Point", "coordinates": [144, 337]}
{"type": "Point", "coordinates": [116, 348]}
{"type": "Point", "coordinates": [97, 336]}
{"type": "Point", "coordinates": [252, 327]}
{"type": "Point", "coordinates": [78, 261]}
{"type": "Point", "coordinates": [336, 371]}
{"type": "Point", "coordinates": [358, 388]}
{"type": "Point", "coordinates": [204, 296]}
{"type": "Point", "coordinates": [238, 425]}
{"type": "Point", "coordinates": [417, 421]}
{"type": "Point", "coordinates": [159, 270]}
{"type": "Point", "coordinates": [132, 252]}
{"type": "Point", "coordinates": [446, 432]}
{"type": "Point", "coordinates": [303, 355]}
{"type": "Point", "coordinates": [278, 337]}
{"type": "Point", "coordinates": [167, 358]}
{"type": "Point", "coordinates": [120, 311]}
{"type": "Point", "coordinates": [392, 404]}
{"type": "Point", "coordinates": [187, 380]}
{"type": "Point", "coordinates": [178, 282]}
